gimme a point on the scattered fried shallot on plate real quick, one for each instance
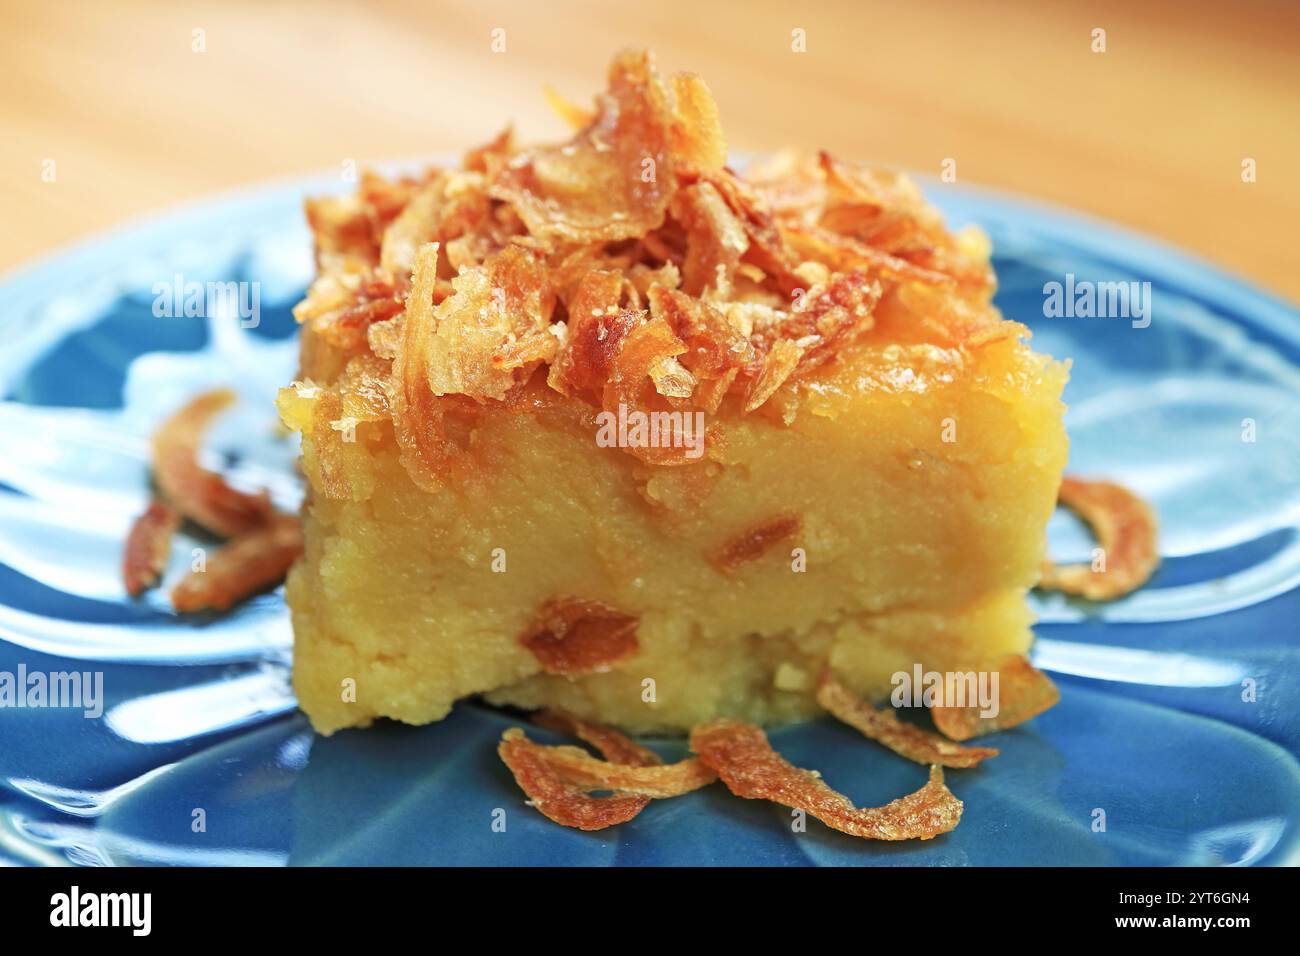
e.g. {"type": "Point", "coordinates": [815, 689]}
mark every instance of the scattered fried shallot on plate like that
{"type": "Point", "coordinates": [747, 764]}
{"type": "Point", "coordinates": [148, 545]}
{"type": "Point", "coordinates": [263, 543]}
{"type": "Point", "coordinates": [555, 794]}
{"type": "Point", "coordinates": [1125, 527]}
{"type": "Point", "coordinates": [251, 562]}
{"type": "Point", "coordinates": [556, 779]}
{"type": "Point", "coordinates": [1024, 692]}
{"type": "Point", "coordinates": [884, 727]}
{"type": "Point", "coordinates": [197, 493]}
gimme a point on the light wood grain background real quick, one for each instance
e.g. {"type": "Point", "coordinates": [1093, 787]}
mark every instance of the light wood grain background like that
{"type": "Point", "coordinates": [1151, 133]}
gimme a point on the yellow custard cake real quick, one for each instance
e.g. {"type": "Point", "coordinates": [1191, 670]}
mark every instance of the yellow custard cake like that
{"type": "Point", "coordinates": [605, 426]}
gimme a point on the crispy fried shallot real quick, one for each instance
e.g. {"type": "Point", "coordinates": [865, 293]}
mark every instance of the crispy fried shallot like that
{"type": "Point", "coordinates": [1125, 527]}
{"type": "Point", "coordinates": [884, 727]}
{"type": "Point", "coordinates": [1024, 692]}
{"type": "Point", "coordinates": [263, 543]}
{"type": "Point", "coordinates": [418, 414]}
{"type": "Point", "coordinates": [629, 266]}
{"type": "Point", "coordinates": [627, 767]}
{"type": "Point", "coordinates": [575, 116]}
{"type": "Point", "coordinates": [251, 562]}
{"type": "Point", "coordinates": [558, 779]}
{"type": "Point", "coordinates": [586, 772]}
{"type": "Point", "coordinates": [747, 764]}
{"type": "Point", "coordinates": [557, 798]}
{"type": "Point", "coordinates": [614, 179]}
{"type": "Point", "coordinates": [613, 745]}
{"type": "Point", "coordinates": [148, 544]}
{"type": "Point", "coordinates": [198, 494]}
{"type": "Point", "coordinates": [560, 795]}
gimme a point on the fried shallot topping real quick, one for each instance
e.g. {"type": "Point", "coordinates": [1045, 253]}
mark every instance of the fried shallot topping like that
{"type": "Point", "coordinates": [1024, 692]}
{"type": "Point", "coordinates": [884, 727]}
{"type": "Point", "coordinates": [1125, 527]}
{"type": "Point", "coordinates": [573, 637]}
{"type": "Point", "coordinates": [148, 544]}
{"type": "Point", "coordinates": [624, 267]}
{"type": "Point", "coordinates": [747, 764]}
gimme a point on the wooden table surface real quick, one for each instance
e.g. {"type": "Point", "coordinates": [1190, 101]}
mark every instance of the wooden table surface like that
{"type": "Point", "coordinates": [1152, 132]}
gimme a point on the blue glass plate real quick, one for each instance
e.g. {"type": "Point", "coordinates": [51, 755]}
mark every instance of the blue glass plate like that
{"type": "Point", "coordinates": [1177, 726]}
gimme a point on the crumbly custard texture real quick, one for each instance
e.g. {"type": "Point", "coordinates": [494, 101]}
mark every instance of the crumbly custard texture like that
{"type": "Point", "coordinates": [882, 450]}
